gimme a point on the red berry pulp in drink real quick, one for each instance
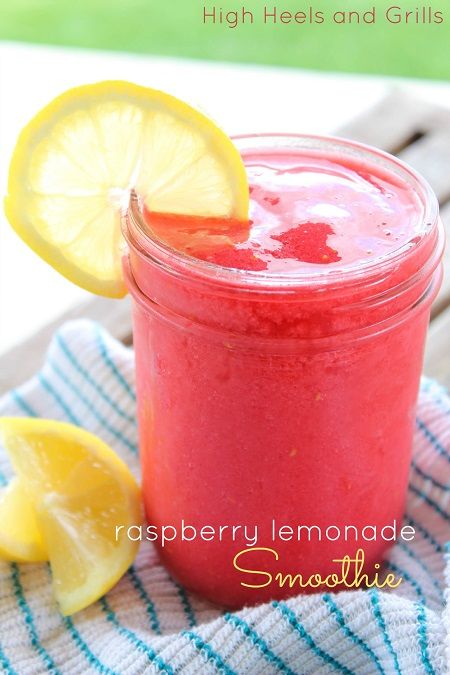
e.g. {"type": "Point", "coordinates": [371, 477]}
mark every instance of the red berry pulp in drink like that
{"type": "Point", "coordinates": [320, 212]}
{"type": "Point", "coordinates": [277, 374]}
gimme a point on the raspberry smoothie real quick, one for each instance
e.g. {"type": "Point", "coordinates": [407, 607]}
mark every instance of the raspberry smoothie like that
{"type": "Point", "coordinates": [278, 369]}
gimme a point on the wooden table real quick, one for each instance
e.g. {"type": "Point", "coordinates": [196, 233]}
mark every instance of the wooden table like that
{"type": "Point", "coordinates": [417, 131]}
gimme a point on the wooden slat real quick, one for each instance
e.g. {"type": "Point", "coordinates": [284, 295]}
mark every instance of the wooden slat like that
{"type": "Point", "coordinates": [443, 299]}
{"type": "Point", "coordinates": [431, 157]}
{"type": "Point", "coordinates": [437, 354]}
{"type": "Point", "coordinates": [22, 361]}
{"type": "Point", "coordinates": [396, 121]}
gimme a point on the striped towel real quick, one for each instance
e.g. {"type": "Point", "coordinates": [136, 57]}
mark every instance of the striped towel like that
{"type": "Point", "coordinates": [150, 624]}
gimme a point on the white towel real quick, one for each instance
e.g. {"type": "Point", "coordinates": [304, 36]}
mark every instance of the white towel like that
{"type": "Point", "coordinates": [148, 623]}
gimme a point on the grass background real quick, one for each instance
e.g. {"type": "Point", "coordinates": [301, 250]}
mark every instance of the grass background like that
{"type": "Point", "coordinates": [175, 27]}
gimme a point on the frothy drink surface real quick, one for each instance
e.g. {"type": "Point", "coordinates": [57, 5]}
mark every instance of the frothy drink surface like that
{"type": "Point", "coordinates": [308, 211]}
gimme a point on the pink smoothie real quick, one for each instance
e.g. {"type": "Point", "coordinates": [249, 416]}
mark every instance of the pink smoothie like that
{"type": "Point", "coordinates": [277, 375]}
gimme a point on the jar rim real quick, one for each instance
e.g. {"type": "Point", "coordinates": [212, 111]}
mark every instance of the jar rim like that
{"type": "Point", "coordinates": [155, 249]}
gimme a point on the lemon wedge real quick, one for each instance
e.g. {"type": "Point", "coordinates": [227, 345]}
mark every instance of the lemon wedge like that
{"type": "Point", "coordinates": [20, 538]}
{"type": "Point", "coordinates": [81, 492]}
{"type": "Point", "coordinates": [76, 162]}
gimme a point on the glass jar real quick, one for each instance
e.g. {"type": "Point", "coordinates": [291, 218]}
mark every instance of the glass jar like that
{"type": "Point", "coordinates": [271, 400]}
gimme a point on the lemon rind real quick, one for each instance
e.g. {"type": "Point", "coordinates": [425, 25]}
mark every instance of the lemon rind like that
{"type": "Point", "coordinates": [43, 122]}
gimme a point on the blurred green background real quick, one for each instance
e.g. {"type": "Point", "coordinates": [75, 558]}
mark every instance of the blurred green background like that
{"type": "Point", "coordinates": [175, 28]}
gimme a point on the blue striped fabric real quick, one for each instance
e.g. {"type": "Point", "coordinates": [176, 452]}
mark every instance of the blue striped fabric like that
{"type": "Point", "coordinates": [148, 623]}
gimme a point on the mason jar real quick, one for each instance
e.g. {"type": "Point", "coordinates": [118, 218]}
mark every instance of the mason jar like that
{"type": "Point", "coordinates": [273, 400]}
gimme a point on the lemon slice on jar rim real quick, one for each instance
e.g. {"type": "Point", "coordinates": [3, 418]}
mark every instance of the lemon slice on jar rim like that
{"type": "Point", "coordinates": [76, 162]}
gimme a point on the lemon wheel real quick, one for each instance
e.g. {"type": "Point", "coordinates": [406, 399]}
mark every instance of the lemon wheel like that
{"type": "Point", "coordinates": [76, 162]}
